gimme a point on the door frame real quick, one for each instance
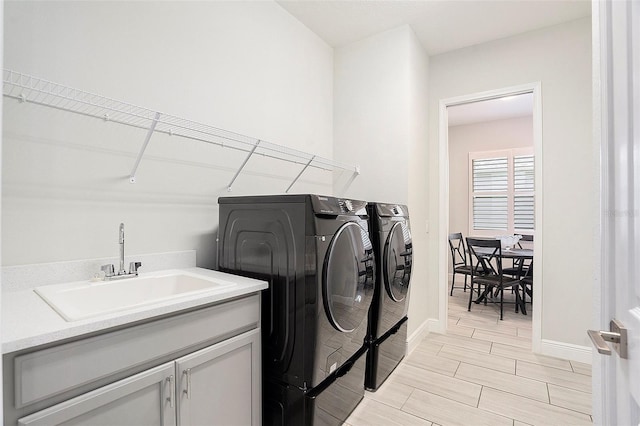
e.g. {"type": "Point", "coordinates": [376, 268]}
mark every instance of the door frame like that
{"type": "Point", "coordinates": [601, 299]}
{"type": "Point", "coordinates": [443, 250]}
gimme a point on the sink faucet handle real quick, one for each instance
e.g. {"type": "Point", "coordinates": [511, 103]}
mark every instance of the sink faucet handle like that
{"type": "Point", "coordinates": [108, 270]}
{"type": "Point", "coordinates": [133, 267]}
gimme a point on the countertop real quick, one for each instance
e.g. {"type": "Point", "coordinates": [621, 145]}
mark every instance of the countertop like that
{"type": "Point", "coordinates": [28, 321]}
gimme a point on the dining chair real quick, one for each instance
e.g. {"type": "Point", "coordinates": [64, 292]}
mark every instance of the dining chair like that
{"type": "Point", "coordinates": [488, 257]}
{"type": "Point", "coordinates": [515, 270]}
{"type": "Point", "coordinates": [459, 259]}
{"type": "Point", "coordinates": [526, 283]}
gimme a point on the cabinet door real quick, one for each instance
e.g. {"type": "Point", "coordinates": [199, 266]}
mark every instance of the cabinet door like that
{"type": "Point", "coordinates": [221, 384]}
{"type": "Point", "coordinates": [147, 398]}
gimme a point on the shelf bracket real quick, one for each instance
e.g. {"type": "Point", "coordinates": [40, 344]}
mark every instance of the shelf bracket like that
{"type": "Point", "coordinates": [301, 172]}
{"type": "Point", "coordinates": [132, 177]}
{"type": "Point", "coordinates": [244, 163]}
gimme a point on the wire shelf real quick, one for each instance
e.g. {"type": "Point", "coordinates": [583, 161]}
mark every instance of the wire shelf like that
{"type": "Point", "coordinates": [27, 88]}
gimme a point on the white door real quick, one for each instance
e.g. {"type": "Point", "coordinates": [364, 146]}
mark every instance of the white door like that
{"type": "Point", "coordinates": [616, 380]}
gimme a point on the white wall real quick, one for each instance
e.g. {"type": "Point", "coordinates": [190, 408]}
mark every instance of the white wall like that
{"type": "Point", "coordinates": [248, 67]}
{"type": "Point", "coordinates": [371, 114]}
{"type": "Point", "coordinates": [380, 92]}
{"type": "Point", "coordinates": [486, 136]}
{"type": "Point", "coordinates": [418, 186]}
{"type": "Point", "coordinates": [560, 58]}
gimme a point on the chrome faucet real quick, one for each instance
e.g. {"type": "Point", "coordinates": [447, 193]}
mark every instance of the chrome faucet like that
{"type": "Point", "coordinates": [109, 273]}
{"type": "Point", "coordinates": [121, 271]}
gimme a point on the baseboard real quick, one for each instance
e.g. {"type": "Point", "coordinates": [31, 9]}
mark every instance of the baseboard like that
{"type": "Point", "coordinates": [566, 351]}
{"type": "Point", "coordinates": [420, 333]}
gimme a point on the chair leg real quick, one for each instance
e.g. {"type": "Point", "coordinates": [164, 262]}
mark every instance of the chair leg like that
{"type": "Point", "coordinates": [471, 294]}
{"type": "Point", "coordinates": [520, 301]}
{"type": "Point", "coordinates": [501, 301]}
{"type": "Point", "coordinates": [465, 282]}
{"type": "Point", "coordinates": [453, 282]}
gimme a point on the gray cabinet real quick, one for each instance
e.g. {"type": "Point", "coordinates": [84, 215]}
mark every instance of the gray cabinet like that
{"type": "Point", "coordinates": [142, 399]}
{"type": "Point", "coordinates": [220, 385]}
{"type": "Point", "coordinates": [198, 368]}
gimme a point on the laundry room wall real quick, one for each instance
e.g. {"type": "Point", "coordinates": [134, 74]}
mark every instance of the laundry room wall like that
{"type": "Point", "coordinates": [559, 57]}
{"type": "Point", "coordinates": [247, 67]}
{"type": "Point", "coordinates": [371, 115]}
{"type": "Point", "coordinates": [380, 122]}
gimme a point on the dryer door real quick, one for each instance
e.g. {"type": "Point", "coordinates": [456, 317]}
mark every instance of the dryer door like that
{"type": "Point", "coordinates": [397, 262]}
{"type": "Point", "coordinates": [347, 277]}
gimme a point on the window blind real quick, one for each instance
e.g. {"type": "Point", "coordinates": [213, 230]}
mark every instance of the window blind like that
{"type": "Point", "coordinates": [490, 174]}
{"type": "Point", "coordinates": [490, 212]}
{"type": "Point", "coordinates": [523, 206]}
{"type": "Point", "coordinates": [523, 212]}
{"type": "Point", "coordinates": [502, 191]}
{"type": "Point", "coordinates": [523, 173]}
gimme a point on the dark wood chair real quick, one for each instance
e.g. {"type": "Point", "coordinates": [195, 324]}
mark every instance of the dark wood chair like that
{"type": "Point", "coordinates": [459, 259]}
{"type": "Point", "coordinates": [515, 270]}
{"type": "Point", "coordinates": [486, 255]}
{"type": "Point", "coordinates": [526, 283]}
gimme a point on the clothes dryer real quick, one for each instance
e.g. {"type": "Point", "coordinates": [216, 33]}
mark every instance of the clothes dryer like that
{"type": "Point", "coordinates": [387, 329]}
{"type": "Point", "coordinates": [316, 254]}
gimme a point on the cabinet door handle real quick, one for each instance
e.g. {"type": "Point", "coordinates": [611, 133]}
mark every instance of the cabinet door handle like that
{"type": "Point", "coordinates": [187, 372]}
{"type": "Point", "coordinates": [172, 391]}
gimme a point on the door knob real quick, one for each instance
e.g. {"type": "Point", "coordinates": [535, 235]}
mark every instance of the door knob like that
{"type": "Point", "coordinates": [617, 335]}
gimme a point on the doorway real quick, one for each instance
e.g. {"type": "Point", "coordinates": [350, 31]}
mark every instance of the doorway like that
{"type": "Point", "coordinates": [455, 200]}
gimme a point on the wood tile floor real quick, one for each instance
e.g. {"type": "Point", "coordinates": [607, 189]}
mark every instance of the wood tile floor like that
{"type": "Point", "coordinates": [481, 373]}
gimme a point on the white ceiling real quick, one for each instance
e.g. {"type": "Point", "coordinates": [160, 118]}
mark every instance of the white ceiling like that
{"type": "Point", "coordinates": [440, 25]}
{"type": "Point", "coordinates": [490, 110]}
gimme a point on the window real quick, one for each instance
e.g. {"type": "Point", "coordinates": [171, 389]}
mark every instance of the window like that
{"type": "Point", "coordinates": [501, 196]}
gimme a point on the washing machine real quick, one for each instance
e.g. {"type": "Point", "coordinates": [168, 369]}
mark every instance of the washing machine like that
{"type": "Point", "coordinates": [317, 256]}
{"type": "Point", "coordinates": [387, 327]}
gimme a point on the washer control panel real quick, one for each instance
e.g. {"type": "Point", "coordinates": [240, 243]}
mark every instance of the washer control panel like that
{"type": "Point", "coordinates": [345, 205]}
{"type": "Point", "coordinates": [338, 206]}
{"type": "Point", "coordinates": [390, 210]}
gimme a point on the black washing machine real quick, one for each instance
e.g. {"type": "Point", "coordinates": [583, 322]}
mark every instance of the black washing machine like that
{"type": "Point", "coordinates": [387, 330]}
{"type": "Point", "coordinates": [316, 254]}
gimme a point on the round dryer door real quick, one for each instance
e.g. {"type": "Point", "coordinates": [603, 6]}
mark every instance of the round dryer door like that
{"type": "Point", "coordinates": [397, 261]}
{"type": "Point", "coordinates": [347, 277]}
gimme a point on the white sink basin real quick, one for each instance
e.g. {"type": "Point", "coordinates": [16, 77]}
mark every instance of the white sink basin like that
{"type": "Point", "coordinates": [85, 299]}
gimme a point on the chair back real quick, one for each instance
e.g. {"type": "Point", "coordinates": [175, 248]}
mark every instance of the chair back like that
{"type": "Point", "coordinates": [528, 272]}
{"type": "Point", "coordinates": [458, 251]}
{"type": "Point", "coordinates": [486, 253]}
{"type": "Point", "coordinates": [525, 239]}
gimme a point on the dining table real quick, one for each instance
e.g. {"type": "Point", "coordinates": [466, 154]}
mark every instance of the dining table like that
{"type": "Point", "coordinates": [519, 255]}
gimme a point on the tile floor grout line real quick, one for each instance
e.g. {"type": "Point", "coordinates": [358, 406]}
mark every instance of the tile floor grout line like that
{"type": "Point", "coordinates": [457, 368]}
{"type": "Point", "coordinates": [406, 400]}
{"type": "Point", "coordinates": [417, 417]}
{"type": "Point", "coordinates": [377, 401]}
{"type": "Point", "coordinates": [545, 380]}
{"type": "Point", "coordinates": [569, 388]}
{"type": "Point", "coordinates": [570, 409]}
{"type": "Point", "coordinates": [462, 403]}
{"type": "Point", "coordinates": [510, 393]}
{"type": "Point", "coordinates": [555, 368]}
{"type": "Point", "coordinates": [480, 397]}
